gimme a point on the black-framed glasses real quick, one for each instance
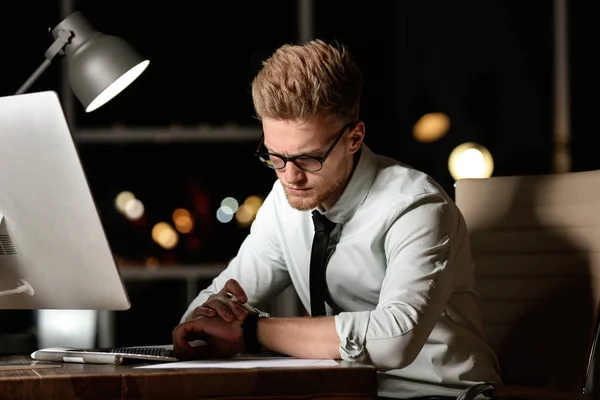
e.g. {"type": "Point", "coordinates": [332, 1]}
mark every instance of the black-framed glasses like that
{"type": "Point", "coordinates": [304, 162]}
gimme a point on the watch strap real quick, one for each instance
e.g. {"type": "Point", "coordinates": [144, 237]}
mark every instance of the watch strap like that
{"type": "Point", "coordinates": [249, 334]}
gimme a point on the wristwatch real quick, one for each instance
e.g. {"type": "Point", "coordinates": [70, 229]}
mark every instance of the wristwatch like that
{"type": "Point", "coordinates": [249, 334]}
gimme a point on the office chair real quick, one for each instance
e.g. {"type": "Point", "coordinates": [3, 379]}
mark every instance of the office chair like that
{"type": "Point", "coordinates": [536, 244]}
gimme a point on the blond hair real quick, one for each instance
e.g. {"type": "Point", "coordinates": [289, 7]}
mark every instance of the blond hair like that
{"type": "Point", "coordinates": [313, 79]}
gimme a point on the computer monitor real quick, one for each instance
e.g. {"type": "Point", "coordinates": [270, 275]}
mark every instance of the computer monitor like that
{"type": "Point", "coordinates": [53, 250]}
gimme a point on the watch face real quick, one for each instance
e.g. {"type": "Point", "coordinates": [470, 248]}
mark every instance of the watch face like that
{"type": "Point", "coordinates": [262, 314]}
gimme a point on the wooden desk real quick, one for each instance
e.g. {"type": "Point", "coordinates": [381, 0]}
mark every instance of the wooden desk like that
{"type": "Point", "coordinates": [86, 381]}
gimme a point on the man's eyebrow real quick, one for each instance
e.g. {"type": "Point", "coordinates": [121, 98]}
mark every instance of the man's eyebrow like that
{"type": "Point", "coordinates": [305, 153]}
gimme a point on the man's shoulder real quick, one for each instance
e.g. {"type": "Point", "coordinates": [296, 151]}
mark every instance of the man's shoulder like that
{"type": "Point", "coordinates": [399, 183]}
{"type": "Point", "coordinates": [398, 187]}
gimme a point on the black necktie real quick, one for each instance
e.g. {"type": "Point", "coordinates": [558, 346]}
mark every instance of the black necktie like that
{"type": "Point", "coordinates": [318, 263]}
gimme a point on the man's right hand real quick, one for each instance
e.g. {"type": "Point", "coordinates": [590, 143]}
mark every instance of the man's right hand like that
{"type": "Point", "coordinates": [223, 305]}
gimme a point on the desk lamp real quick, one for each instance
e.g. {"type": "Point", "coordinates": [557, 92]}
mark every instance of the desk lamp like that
{"type": "Point", "coordinates": [100, 67]}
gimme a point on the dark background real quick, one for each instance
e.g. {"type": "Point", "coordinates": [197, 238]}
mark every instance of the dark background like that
{"type": "Point", "coordinates": [487, 65]}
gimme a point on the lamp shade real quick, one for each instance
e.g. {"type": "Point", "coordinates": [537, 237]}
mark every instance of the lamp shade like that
{"type": "Point", "coordinates": [100, 66]}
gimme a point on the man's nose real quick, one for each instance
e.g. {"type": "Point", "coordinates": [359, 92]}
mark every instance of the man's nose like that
{"type": "Point", "coordinates": [292, 173]}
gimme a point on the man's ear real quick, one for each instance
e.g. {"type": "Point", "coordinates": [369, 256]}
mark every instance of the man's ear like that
{"type": "Point", "coordinates": [356, 137]}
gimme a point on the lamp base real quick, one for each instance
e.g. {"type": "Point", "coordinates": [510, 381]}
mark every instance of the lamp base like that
{"type": "Point", "coordinates": [17, 343]}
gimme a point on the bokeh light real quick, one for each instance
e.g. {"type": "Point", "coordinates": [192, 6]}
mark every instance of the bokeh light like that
{"type": "Point", "coordinates": [231, 203]}
{"type": "Point", "coordinates": [224, 214]}
{"type": "Point", "coordinates": [122, 199]}
{"type": "Point", "coordinates": [183, 220]}
{"type": "Point", "coordinates": [470, 160]}
{"type": "Point", "coordinates": [431, 127]}
{"type": "Point", "coordinates": [165, 236]}
{"type": "Point", "coordinates": [134, 209]}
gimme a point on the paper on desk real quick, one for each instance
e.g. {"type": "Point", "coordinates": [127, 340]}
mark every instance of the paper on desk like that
{"type": "Point", "coordinates": [247, 363]}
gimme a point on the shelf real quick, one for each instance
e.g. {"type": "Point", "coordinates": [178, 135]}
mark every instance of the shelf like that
{"type": "Point", "coordinates": [193, 272]}
{"type": "Point", "coordinates": [167, 135]}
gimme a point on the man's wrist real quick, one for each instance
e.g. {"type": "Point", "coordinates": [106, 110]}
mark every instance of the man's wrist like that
{"type": "Point", "coordinates": [250, 334]}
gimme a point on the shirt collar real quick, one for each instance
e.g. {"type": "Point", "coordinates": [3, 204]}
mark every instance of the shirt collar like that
{"type": "Point", "coordinates": [357, 189]}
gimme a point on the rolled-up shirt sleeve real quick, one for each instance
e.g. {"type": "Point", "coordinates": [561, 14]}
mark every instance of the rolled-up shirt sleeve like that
{"type": "Point", "coordinates": [418, 283]}
{"type": "Point", "coordinates": [258, 266]}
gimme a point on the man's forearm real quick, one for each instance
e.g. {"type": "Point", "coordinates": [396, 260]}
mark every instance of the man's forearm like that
{"type": "Point", "coordinates": [302, 337]}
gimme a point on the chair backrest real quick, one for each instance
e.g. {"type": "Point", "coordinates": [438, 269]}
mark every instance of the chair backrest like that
{"type": "Point", "coordinates": [536, 244]}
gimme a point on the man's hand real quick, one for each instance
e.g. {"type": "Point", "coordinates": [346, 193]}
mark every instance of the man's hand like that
{"type": "Point", "coordinates": [223, 339]}
{"type": "Point", "coordinates": [221, 304]}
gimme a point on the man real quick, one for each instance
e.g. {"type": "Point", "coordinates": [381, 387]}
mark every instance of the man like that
{"type": "Point", "coordinates": [398, 292]}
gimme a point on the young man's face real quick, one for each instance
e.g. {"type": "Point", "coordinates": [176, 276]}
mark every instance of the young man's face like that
{"type": "Point", "coordinates": [307, 190]}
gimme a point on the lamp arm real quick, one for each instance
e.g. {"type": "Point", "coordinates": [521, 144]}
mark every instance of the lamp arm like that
{"type": "Point", "coordinates": [61, 41]}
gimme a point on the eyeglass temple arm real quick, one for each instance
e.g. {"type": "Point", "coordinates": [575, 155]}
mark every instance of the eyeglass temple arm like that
{"type": "Point", "coordinates": [337, 139]}
{"type": "Point", "coordinates": [262, 140]}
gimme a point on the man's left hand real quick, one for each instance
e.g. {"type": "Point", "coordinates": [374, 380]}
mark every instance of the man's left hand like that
{"type": "Point", "coordinates": [223, 339]}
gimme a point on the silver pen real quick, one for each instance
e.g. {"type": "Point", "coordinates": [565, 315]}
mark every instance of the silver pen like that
{"type": "Point", "coordinates": [249, 308]}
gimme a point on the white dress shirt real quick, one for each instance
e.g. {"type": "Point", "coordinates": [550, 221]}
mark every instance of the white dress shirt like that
{"type": "Point", "coordinates": [401, 271]}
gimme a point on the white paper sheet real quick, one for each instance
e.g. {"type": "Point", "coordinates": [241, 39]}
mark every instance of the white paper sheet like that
{"type": "Point", "coordinates": [242, 363]}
